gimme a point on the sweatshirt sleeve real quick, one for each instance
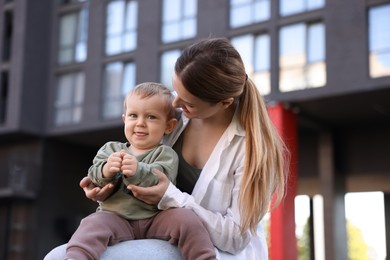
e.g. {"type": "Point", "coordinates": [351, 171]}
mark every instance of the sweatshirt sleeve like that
{"type": "Point", "coordinates": [163, 158]}
{"type": "Point", "coordinates": [95, 172]}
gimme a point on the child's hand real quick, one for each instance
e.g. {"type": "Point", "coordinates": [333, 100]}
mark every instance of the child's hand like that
{"type": "Point", "coordinates": [129, 165]}
{"type": "Point", "coordinates": [113, 165]}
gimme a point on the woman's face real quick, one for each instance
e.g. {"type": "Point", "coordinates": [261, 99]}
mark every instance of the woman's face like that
{"type": "Point", "coordinates": [192, 106]}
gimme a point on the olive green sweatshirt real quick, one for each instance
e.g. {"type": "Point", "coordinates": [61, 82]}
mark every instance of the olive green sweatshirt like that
{"type": "Point", "coordinates": [122, 202]}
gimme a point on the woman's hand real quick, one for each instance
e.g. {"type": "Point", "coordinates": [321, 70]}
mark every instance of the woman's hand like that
{"type": "Point", "coordinates": [93, 192]}
{"type": "Point", "coordinates": [151, 195]}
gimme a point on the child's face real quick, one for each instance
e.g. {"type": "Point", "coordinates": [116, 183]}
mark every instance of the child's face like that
{"type": "Point", "coordinates": [146, 121]}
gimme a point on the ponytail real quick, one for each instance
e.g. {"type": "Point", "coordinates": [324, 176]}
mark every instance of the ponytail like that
{"type": "Point", "coordinates": [264, 161]}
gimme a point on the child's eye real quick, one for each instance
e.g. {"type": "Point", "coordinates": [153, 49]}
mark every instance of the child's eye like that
{"type": "Point", "coordinates": [132, 115]}
{"type": "Point", "coordinates": [151, 117]}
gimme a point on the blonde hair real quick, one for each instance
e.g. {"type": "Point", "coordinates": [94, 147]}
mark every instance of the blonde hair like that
{"type": "Point", "coordinates": [265, 161]}
{"type": "Point", "coordinates": [149, 89]}
{"type": "Point", "coordinates": [213, 70]}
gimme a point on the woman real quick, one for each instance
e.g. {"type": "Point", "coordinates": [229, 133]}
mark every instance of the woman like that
{"type": "Point", "coordinates": [231, 159]}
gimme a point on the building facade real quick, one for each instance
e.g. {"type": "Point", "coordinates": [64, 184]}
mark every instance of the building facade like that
{"type": "Point", "coordinates": [67, 64]}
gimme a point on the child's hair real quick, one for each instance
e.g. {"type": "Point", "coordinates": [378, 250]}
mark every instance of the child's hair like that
{"type": "Point", "coordinates": [149, 89]}
{"type": "Point", "coordinates": [213, 70]}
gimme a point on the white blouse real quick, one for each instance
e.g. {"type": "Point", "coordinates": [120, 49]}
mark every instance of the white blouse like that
{"type": "Point", "coordinates": [215, 195]}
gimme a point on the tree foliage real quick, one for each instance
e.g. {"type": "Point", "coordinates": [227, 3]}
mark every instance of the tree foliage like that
{"type": "Point", "coordinates": [357, 247]}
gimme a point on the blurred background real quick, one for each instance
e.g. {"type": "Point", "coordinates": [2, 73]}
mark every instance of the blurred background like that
{"type": "Point", "coordinates": [66, 65]}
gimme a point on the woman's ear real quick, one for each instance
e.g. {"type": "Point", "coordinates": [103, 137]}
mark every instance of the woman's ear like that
{"type": "Point", "coordinates": [171, 124]}
{"type": "Point", "coordinates": [227, 102]}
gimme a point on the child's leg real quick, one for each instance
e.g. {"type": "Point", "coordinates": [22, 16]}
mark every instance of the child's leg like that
{"type": "Point", "coordinates": [183, 227]}
{"type": "Point", "coordinates": [95, 233]}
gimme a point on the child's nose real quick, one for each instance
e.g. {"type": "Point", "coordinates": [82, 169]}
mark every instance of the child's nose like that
{"type": "Point", "coordinates": [141, 122]}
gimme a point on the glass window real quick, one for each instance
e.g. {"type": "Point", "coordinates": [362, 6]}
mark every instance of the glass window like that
{"type": "Point", "coordinates": [302, 61]}
{"type": "Point", "coordinates": [168, 60]}
{"type": "Point", "coordinates": [179, 20]}
{"type": "Point", "coordinates": [121, 26]}
{"type": "Point", "coordinates": [73, 37]}
{"type": "Point", "coordinates": [245, 12]}
{"type": "Point", "coordinates": [119, 79]}
{"type": "Point", "coordinates": [255, 53]}
{"type": "Point", "coordinates": [289, 7]}
{"type": "Point", "coordinates": [379, 41]}
{"type": "Point", "coordinates": [8, 28]}
{"type": "Point", "coordinates": [302, 205]}
{"type": "Point", "coordinates": [309, 226]}
{"type": "Point", "coordinates": [70, 98]}
{"type": "Point", "coordinates": [366, 236]}
{"type": "Point", "coordinates": [64, 2]}
{"type": "Point", "coordinates": [3, 95]}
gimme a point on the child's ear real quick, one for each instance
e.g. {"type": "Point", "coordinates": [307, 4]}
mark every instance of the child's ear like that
{"type": "Point", "coordinates": [123, 118]}
{"type": "Point", "coordinates": [171, 124]}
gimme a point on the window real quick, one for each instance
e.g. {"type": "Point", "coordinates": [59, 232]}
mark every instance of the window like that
{"type": "Point", "coordinates": [309, 226]}
{"type": "Point", "coordinates": [73, 37]}
{"type": "Point", "coordinates": [65, 2]}
{"type": "Point", "coordinates": [119, 78]}
{"type": "Point", "coordinates": [289, 7]}
{"type": "Point", "coordinates": [70, 98]}
{"type": "Point", "coordinates": [302, 60]}
{"type": "Point", "coordinates": [379, 41]}
{"type": "Point", "coordinates": [7, 35]}
{"type": "Point", "coordinates": [245, 12]}
{"type": "Point", "coordinates": [121, 26]}
{"type": "Point", "coordinates": [168, 60]}
{"type": "Point", "coordinates": [255, 53]}
{"type": "Point", "coordinates": [179, 20]}
{"type": "Point", "coordinates": [3, 96]}
{"type": "Point", "coordinates": [366, 236]}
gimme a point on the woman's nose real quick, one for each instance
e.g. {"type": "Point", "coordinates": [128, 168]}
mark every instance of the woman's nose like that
{"type": "Point", "coordinates": [176, 102]}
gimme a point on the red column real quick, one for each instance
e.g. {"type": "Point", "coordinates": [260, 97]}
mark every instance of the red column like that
{"type": "Point", "coordinates": [283, 244]}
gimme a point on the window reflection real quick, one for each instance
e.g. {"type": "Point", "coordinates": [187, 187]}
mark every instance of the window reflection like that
{"type": "Point", "coordinates": [4, 89]}
{"type": "Point", "coordinates": [179, 20]}
{"type": "Point", "coordinates": [289, 7]}
{"type": "Point", "coordinates": [379, 41]}
{"type": "Point", "coordinates": [70, 98]}
{"type": "Point", "coordinates": [73, 37]}
{"type": "Point", "coordinates": [302, 61]}
{"type": "Point", "coordinates": [119, 78]}
{"type": "Point", "coordinates": [168, 60]}
{"type": "Point", "coordinates": [245, 12]}
{"type": "Point", "coordinates": [64, 2]}
{"type": "Point", "coordinates": [255, 53]}
{"type": "Point", "coordinates": [121, 26]}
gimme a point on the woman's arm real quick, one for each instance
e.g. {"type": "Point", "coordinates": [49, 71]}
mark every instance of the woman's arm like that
{"type": "Point", "coordinates": [151, 195]}
{"type": "Point", "coordinates": [224, 229]}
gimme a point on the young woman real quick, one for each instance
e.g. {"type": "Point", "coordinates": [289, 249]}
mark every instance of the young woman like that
{"type": "Point", "coordinates": [231, 159]}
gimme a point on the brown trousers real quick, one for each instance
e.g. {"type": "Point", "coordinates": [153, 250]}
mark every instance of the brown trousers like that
{"type": "Point", "coordinates": [179, 226]}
